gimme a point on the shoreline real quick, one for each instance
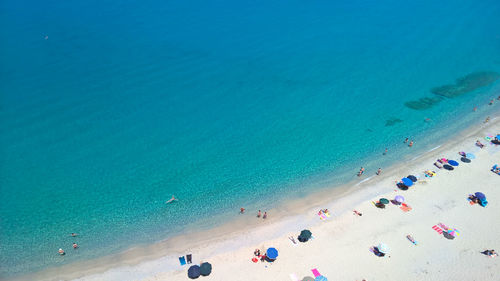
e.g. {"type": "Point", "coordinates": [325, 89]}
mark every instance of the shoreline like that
{"type": "Point", "coordinates": [224, 239]}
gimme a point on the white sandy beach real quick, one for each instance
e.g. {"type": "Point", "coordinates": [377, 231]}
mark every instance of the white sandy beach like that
{"type": "Point", "coordinates": [340, 248]}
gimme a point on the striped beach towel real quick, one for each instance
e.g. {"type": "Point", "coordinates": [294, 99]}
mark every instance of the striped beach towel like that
{"type": "Point", "coordinates": [437, 229]}
{"type": "Point", "coordinates": [405, 207]}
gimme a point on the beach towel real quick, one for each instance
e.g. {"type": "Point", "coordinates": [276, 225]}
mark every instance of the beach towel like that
{"type": "Point", "coordinates": [294, 277]}
{"type": "Point", "coordinates": [405, 207]}
{"type": "Point", "coordinates": [182, 260]}
{"type": "Point", "coordinates": [315, 272]}
{"type": "Point", "coordinates": [444, 227]}
{"type": "Point", "coordinates": [189, 258]}
{"type": "Point", "coordinates": [437, 229]}
{"type": "Point", "coordinates": [322, 216]}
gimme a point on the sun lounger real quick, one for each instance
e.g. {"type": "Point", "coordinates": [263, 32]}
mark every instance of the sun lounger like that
{"type": "Point", "coordinates": [294, 277]}
{"type": "Point", "coordinates": [437, 229]}
{"type": "Point", "coordinates": [182, 260]}
{"type": "Point", "coordinates": [315, 272]}
{"type": "Point", "coordinates": [189, 258]}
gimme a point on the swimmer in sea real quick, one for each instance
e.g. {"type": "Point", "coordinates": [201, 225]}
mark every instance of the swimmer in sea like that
{"type": "Point", "coordinates": [361, 171]}
{"type": "Point", "coordinates": [406, 140]}
{"type": "Point", "coordinates": [411, 144]}
{"type": "Point", "coordinates": [242, 210]}
{"type": "Point", "coordinates": [172, 199]}
{"type": "Point", "coordinates": [385, 152]}
{"type": "Point", "coordinates": [75, 246]}
{"type": "Point", "coordinates": [491, 102]}
{"type": "Point", "coordinates": [61, 252]}
{"type": "Point", "coordinates": [74, 234]}
{"type": "Point", "coordinates": [474, 109]}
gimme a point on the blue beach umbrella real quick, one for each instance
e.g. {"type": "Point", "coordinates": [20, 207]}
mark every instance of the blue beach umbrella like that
{"type": "Point", "coordinates": [470, 155]}
{"type": "Point", "coordinates": [407, 182]}
{"type": "Point", "coordinates": [453, 162]}
{"type": "Point", "coordinates": [272, 253]}
{"type": "Point", "coordinates": [480, 195]}
{"type": "Point", "coordinates": [194, 272]}
{"type": "Point", "coordinates": [321, 278]}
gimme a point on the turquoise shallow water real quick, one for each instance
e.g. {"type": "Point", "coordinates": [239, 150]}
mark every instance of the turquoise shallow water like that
{"type": "Point", "coordinates": [222, 104]}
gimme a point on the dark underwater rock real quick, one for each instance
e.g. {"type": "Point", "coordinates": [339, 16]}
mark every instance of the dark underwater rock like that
{"type": "Point", "coordinates": [423, 103]}
{"type": "Point", "coordinates": [392, 121]}
{"type": "Point", "coordinates": [466, 84]}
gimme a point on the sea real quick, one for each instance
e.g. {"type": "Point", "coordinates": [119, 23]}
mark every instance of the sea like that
{"type": "Point", "coordinates": [108, 108]}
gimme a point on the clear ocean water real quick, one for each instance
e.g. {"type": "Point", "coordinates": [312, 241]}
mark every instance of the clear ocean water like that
{"type": "Point", "coordinates": [107, 108]}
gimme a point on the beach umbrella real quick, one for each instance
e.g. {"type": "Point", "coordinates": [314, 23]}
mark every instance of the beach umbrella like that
{"type": "Point", "coordinates": [272, 253]}
{"type": "Point", "coordinates": [383, 248]}
{"type": "Point", "coordinates": [453, 162]}
{"type": "Point", "coordinates": [453, 232]}
{"type": "Point", "coordinates": [305, 235]}
{"type": "Point", "coordinates": [308, 278]}
{"type": "Point", "coordinates": [470, 156]}
{"type": "Point", "coordinates": [465, 160]}
{"type": "Point", "coordinates": [399, 199]}
{"type": "Point", "coordinates": [194, 272]}
{"type": "Point", "coordinates": [448, 167]}
{"type": "Point", "coordinates": [383, 201]}
{"type": "Point", "coordinates": [407, 182]}
{"type": "Point", "coordinates": [321, 278]}
{"type": "Point", "coordinates": [480, 195]}
{"type": "Point", "coordinates": [205, 269]}
{"type": "Point", "coordinates": [412, 178]}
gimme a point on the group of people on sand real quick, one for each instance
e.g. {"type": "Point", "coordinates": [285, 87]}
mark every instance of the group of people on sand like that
{"type": "Point", "coordinates": [75, 246]}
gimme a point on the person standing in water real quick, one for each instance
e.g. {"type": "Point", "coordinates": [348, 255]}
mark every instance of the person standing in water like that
{"type": "Point", "coordinates": [75, 246]}
{"type": "Point", "coordinates": [258, 214]}
{"type": "Point", "coordinates": [361, 171]}
{"type": "Point", "coordinates": [379, 171]}
{"type": "Point", "coordinates": [61, 252]}
{"type": "Point", "coordinates": [406, 140]}
{"type": "Point", "coordinates": [411, 143]}
{"type": "Point", "coordinates": [265, 215]}
{"type": "Point", "coordinates": [242, 210]}
{"type": "Point", "coordinates": [385, 152]}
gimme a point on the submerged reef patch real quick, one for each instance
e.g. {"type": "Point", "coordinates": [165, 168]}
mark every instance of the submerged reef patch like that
{"type": "Point", "coordinates": [392, 121]}
{"type": "Point", "coordinates": [466, 84]}
{"type": "Point", "coordinates": [423, 103]}
{"type": "Point", "coordinates": [463, 85]}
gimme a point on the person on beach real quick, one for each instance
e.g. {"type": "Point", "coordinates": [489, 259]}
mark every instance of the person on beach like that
{"type": "Point", "coordinates": [379, 171]}
{"type": "Point", "coordinates": [361, 171]}
{"type": "Point", "coordinates": [258, 214]}
{"type": "Point", "coordinates": [487, 120]}
{"type": "Point", "coordinates": [411, 143]}
{"type": "Point", "coordinates": [171, 200]}
{"type": "Point", "coordinates": [256, 252]}
{"type": "Point", "coordinates": [385, 152]}
{"type": "Point", "coordinates": [490, 253]}
{"type": "Point", "coordinates": [265, 215]}
{"type": "Point", "coordinates": [75, 246]}
{"type": "Point", "coordinates": [478, 143]}
{"type": "Point", "coordinates": [242, 210]}
{"type": "Point", "coordinates": [357, 213]}
{"type": "Point", "coordinates": [406, 140]}
{"type": "Point", "coordinates": [61, 252]}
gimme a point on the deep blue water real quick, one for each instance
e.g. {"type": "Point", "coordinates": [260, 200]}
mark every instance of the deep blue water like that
{"type": "Point", "coordinates": [222, 103]}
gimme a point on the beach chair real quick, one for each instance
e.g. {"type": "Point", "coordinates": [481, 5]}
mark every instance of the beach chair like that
{"type": "Point", "coordinates": [182, 260]}
{"type": "Point", "coordinates": [189, 258]}
{"type": "Point", "coordinates": [315, 272]}
{"type": "Point", "coordinates": [437, 229]}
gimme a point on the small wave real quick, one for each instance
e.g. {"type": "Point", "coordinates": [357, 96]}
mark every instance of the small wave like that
{"type": "Point", "coordinates": [364, 180]}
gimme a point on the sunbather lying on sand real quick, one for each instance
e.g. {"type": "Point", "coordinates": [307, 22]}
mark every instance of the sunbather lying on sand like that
{"type": "Point", "coordinates": [478, 143]}
{"type": "Point", "coordinates": [438, 165]}
{"type": "Point", "coordinates": [491, 253]}
{"type": "Point", "coordinates": [357, 213]}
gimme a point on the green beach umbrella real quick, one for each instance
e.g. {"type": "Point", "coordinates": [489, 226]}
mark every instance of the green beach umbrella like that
{"type": "Point", "coordinates": [307, 278]}
{"type": "Point", "coordinates": [205, 269]}
{"type": "Point", "coordinates": [384, 201]}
